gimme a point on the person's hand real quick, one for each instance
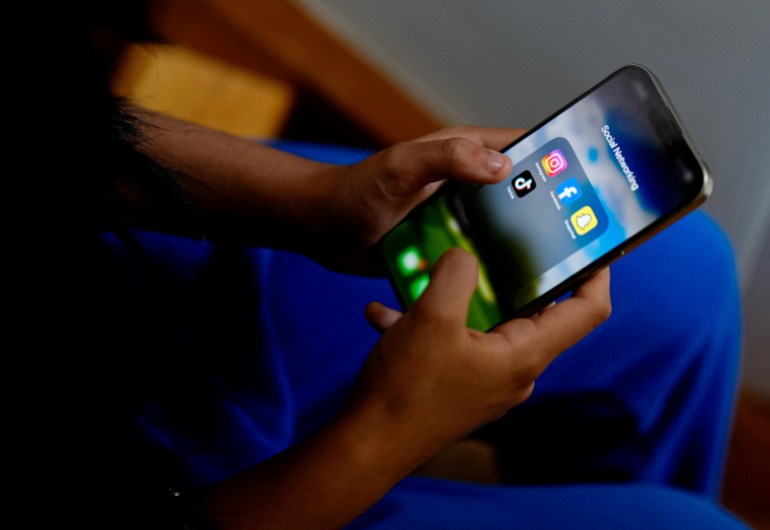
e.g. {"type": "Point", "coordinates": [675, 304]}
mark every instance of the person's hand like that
{"type": "Point", "coordinates": [428, 382]}
{"type": "Point", "coordinates": [433, 380]}
{"type": "Point", "coordinates": [249, 193]}
{"type": "Point", "coordinates": [375, 194]}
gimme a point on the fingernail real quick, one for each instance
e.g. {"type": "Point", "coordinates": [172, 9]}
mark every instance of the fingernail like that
{"type": "Point", "coordinates": [496, 161]}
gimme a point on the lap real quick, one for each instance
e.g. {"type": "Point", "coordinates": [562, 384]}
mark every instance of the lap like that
{"type": "Point", "coordinates": [438, 504]}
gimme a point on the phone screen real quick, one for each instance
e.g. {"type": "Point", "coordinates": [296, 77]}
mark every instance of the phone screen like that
{"type": "Point", "coordinates": [605, 170]}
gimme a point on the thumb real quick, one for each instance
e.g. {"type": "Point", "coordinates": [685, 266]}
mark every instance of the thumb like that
{"type": "Point", "coordinates": [414, 165]}
{"type": "Point", "coordinates": [381, 317]}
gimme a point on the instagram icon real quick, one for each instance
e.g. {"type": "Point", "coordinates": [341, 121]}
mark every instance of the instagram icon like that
{"type": "Point", "coordinates": [554, 163]}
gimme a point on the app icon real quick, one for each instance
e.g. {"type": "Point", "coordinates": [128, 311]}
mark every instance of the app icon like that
{"type": "Point", "coordinates": [554, 163]}
{"type": "Point", "coordinates": [523, 184]}
{"type": "Point", "coordinates": [418, 286]}
{"type": "Point", "coordinates": [411, 261]}
{"type": "Point", "coordinates": [569, 191]}
{"type": "Point", "coordinates": [584, 220]}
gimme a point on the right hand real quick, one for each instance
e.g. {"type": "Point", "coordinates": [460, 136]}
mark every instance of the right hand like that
{"type": "Point", "coordinates": [429, 381]}
{"type": "Point", "coordinates": [432, 380]}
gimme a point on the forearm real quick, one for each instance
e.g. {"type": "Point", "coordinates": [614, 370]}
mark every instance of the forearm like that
{"type": "Point", "coordinates": [323, 482]}
{"type": "Point", "coordinates": [242, 190]}
{"type": "Point", "coordinates": [335, 214]}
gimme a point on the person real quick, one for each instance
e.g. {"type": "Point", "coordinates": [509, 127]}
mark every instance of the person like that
{"type": "Point", "coordinates": [216, 370]}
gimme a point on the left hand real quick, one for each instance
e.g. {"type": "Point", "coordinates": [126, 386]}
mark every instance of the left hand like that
{"type": "Point", "coordinates": [335, 214]}
{"type": "Point", "coordinates": [375, 194]}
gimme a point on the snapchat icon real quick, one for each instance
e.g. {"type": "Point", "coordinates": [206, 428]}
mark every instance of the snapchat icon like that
{"type": "Point", "coordinates": [584, 220]}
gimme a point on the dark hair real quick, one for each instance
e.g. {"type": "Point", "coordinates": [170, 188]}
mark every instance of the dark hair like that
{"type": "Point", "coordinates": [104, 146]}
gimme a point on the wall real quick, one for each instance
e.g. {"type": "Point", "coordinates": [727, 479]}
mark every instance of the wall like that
{"type": "Point", "coordinates": [491, 62]}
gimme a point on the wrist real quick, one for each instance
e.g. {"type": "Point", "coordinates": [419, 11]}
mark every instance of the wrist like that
{"type": "Point", "coordinates": [384, 443]}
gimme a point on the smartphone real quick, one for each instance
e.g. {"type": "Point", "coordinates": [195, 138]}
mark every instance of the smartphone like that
{"type": "Point", "coordinates": [598, 177]}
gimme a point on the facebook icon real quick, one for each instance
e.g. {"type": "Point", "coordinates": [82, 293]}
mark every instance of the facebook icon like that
{"type": "Point", "coordinates": [569, 191]}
